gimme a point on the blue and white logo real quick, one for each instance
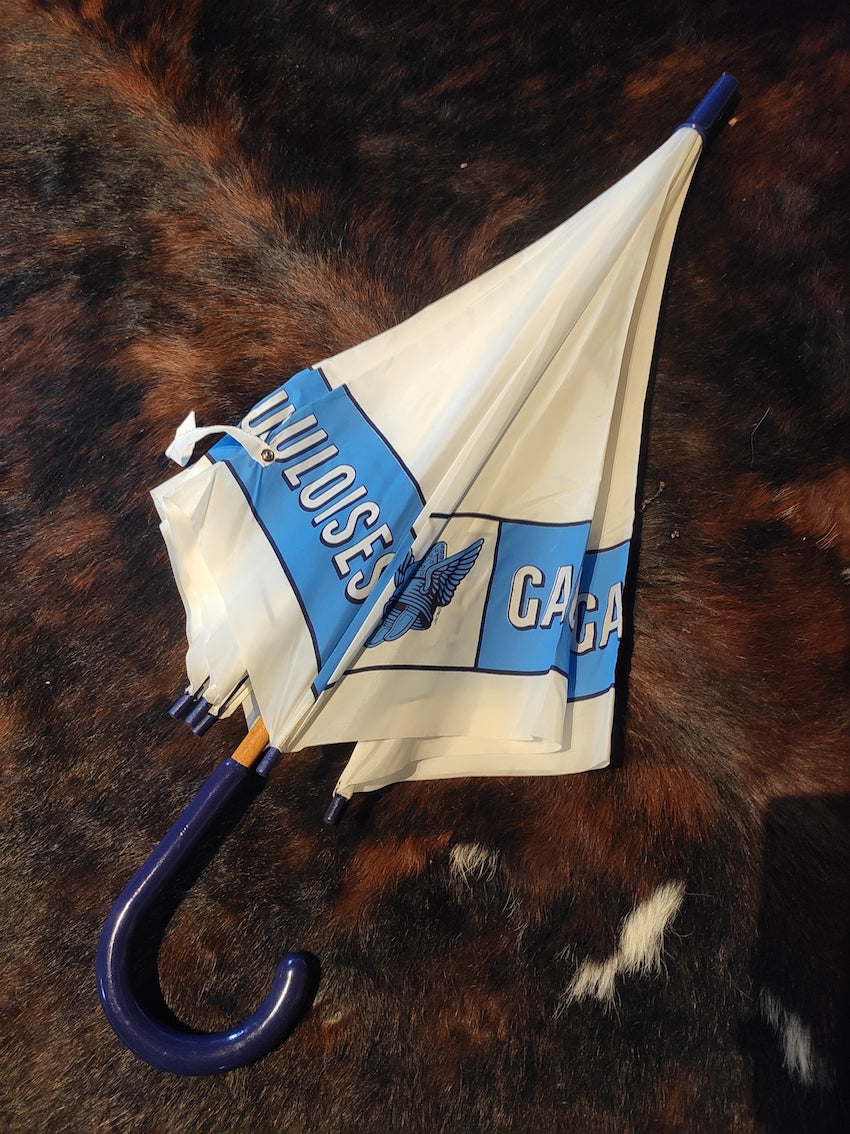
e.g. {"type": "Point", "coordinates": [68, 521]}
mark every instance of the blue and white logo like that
{"type": "Point", "coordinates": [421, 586]}
{"type": "Point", "coordinates": [335, 503]}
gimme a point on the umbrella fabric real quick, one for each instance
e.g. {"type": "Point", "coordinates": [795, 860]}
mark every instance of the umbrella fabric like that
{"type": "Point", "coordinates": [420, 544]}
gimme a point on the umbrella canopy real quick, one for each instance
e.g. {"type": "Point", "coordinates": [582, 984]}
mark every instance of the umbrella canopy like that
{"type": "Point", "coordinates": [420, 544]}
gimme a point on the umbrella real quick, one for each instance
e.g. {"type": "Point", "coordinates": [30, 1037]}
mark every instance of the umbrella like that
{"type": "Point", "coordinates": [420, 545]}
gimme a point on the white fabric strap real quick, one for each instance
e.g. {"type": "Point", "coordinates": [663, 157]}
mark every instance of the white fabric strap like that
{"type": "Point", "coordinates": [189, 434]}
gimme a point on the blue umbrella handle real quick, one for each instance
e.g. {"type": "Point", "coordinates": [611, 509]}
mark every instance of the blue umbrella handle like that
{"type": "Point", "coordinates": [709, 112]}
{"type": "Point", "coordinates": [165, 1047]}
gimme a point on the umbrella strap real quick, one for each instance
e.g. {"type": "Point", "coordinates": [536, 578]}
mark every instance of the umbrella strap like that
{"type": "Point", "coordinates": [189, 434]}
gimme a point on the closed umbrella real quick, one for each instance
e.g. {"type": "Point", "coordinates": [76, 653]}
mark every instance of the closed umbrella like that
{"type": "Point", "coordinates": [420, 544]}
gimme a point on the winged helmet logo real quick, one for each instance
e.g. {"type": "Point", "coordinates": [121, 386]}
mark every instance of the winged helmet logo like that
{"type": "Point", "coordinates": [421, 586]}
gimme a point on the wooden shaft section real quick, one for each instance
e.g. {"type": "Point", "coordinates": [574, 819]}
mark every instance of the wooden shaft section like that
{"type": "Point", "coordinates": [253, 744]}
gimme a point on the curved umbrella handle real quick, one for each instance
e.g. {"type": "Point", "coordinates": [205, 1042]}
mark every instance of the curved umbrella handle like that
{"type": "Point", "coordinates": [165, 1047]}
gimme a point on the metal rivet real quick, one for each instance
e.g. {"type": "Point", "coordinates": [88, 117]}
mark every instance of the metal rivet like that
{"type": "Point", "coordinates": [267, 455]}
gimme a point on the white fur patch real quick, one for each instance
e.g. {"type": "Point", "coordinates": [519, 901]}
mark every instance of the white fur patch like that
{"type": "Point", "coordinates": [639, 949]}
{"type": "Point", "coordinates": [335, 1018]}
{"type": "Point", "coordinates": [327, 1009]}
{"type": "Point", "coordinates": [471, 860]}
{"type": "Point", "coordinates": [795, 1037]}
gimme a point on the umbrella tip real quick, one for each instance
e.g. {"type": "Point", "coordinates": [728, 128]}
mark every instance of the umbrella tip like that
{"type": "Point", "coordinates": [199, 718]}
{"type": "Point", "coordinates": [195, 711]}
{"type": "Point", "coordinates": [268, 758]}
{"type": "Point", "coordinates": [182, 707]}
{"type": "Point", "coordinates": [710, 111]}
{"type": "Point", "coordinates": [334, 812]}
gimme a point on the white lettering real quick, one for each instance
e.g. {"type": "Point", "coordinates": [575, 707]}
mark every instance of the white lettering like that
{"type": "Point", "coordinates": [523, 611]}
{"type": "Point", "coordinates": [356, 590]}
{"type": "Point", "coordinates": [587, 630]}
{"type": "Point", "coordinates": [293, 474]}
{"type": "Point", "coordinates": [333, 483]}
{"type": "Point", "coordinates": [268, 415]}
{"type": "Point", "coordinates": [332, 535]}
{"type": "Point", "coordinates": [296, 429]}
{"type": "Point", "coordinates": [302, 446]}
{"type": "Point", "coordinates": [363, 548]}
{"type": "Point", "coordinates": [559, 597]}
{"type": "Point", "coordinates": [338, 505]}
{"type": "Point", "coordinates": [613, 615]}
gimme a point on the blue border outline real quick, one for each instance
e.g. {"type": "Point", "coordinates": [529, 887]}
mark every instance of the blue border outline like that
{"type": "Point", "coordinates": [379, 433]}
{"type": "Point", "coordinates": [470, 669]}
{"type": "Point", "coordinates": [482, 619]}
{"type": "Point", "coordinates": [318, 370]}
{"type": "Point", "coordinates": [508, 520]}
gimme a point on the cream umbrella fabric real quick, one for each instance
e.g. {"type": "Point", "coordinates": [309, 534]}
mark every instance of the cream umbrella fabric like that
{"type": "Point", "coordinates": [420, 544]}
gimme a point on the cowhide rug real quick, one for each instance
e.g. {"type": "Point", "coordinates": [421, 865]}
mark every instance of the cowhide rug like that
{"type": "Point", "coordinates": [198, 198]}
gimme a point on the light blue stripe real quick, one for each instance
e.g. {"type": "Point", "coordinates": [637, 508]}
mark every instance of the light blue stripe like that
{"type": "Point", "coordinates": [286, 511]}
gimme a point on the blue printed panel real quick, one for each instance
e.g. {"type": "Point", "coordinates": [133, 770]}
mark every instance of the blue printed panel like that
{"type": "Point", "coordinates": [591, 649]}
{"type": "Point", "coordinates": [535, 568]}
{"type": "Point", "coordinates": [554, 605]}
{"type": "Point", "coordinates": [336, 504]}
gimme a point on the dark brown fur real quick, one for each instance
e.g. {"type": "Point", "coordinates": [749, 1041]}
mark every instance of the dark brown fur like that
{"type": "Point", "coordinates": [199, 198]}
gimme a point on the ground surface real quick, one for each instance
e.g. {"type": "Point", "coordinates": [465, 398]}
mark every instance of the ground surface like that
{"type": "Point", "coordinates": [197, 199]}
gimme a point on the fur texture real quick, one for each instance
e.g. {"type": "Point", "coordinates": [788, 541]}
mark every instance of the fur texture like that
{"type": "Point", "coordinates": [200, 197]}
